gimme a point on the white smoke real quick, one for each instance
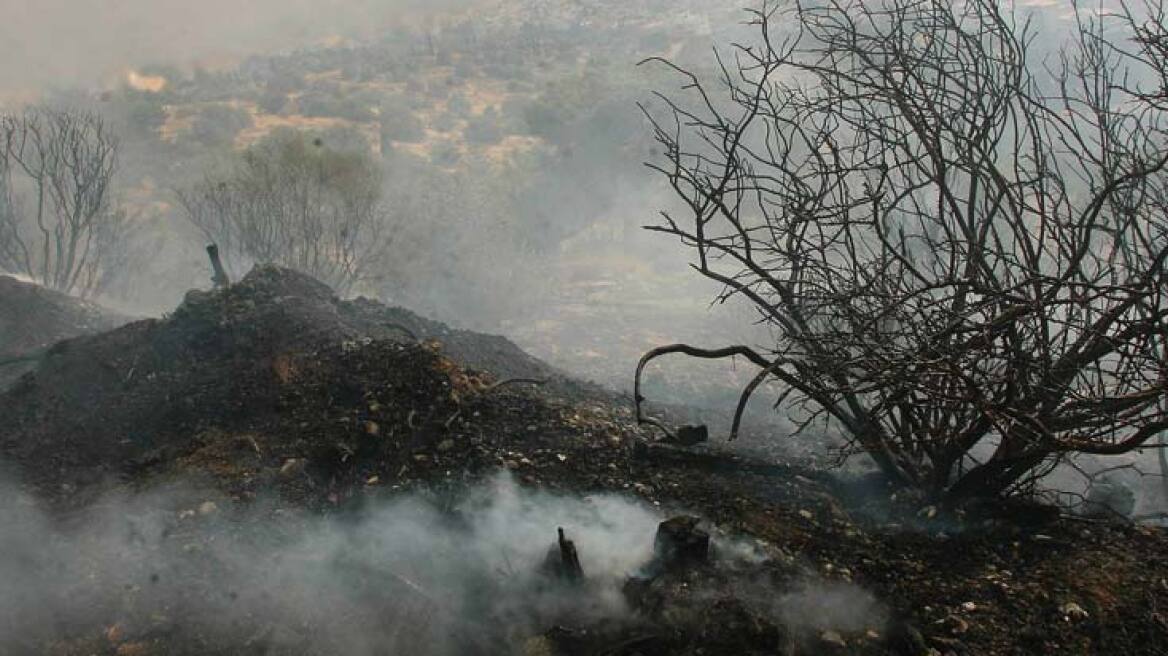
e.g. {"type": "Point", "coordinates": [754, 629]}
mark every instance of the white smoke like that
{"type": "Point", "coordinates": [19, 277]}
{"type": "Point", "coordinates": [405, 576]}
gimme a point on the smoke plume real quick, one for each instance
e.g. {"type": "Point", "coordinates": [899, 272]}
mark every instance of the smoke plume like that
{"type": "Point", "coordinates": [401, 575]}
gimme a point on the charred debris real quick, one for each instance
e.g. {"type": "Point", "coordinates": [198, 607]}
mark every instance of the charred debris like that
{"type": "Point", "coordinates": [274, 392]}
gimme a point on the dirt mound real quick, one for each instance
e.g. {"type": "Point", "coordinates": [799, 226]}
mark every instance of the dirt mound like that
{"type": "Point", "coordinates": [33, 318]}
{"type": "Point", "coordinates": [253, 356]}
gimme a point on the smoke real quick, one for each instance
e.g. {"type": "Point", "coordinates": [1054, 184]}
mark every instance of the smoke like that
{"type": "Point", "coordinates": [55, 43]}
{"type": "Point", "coordinates": [398, 576]}
{"type": "Point", "coordinates": [18, 276]}
{"type": "Point", "coordinates": [420, 573]}
{"type": "Point", "coordinates": [831, 606]}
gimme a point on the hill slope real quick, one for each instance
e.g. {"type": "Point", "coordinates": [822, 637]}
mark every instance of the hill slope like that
{"type": "Point", "coordinates": [284, 407]}
{"type": "Point", "coordinates": [33, 318]}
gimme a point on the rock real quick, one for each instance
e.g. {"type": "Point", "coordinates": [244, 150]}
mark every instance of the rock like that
{"type": "Point", "coordinates": [904, 639]}
{"type": "Point", "coordinates": [445, 445]}
{"type": "Point", "coordinates": [692, 435]}
{"type": "Point", "coordinates": [293, 467]}
{"type": "Point", "coordinates": [1073, 612]}
{"type": "Point", "coordinates": [538, 646]}
{"type": "Point", "coordinates": [208, 508]}
{"type": "Point", "coordinates": [833, 639]}
{"type": "Point", "coordinates": [956, 625]}
{"type": "Point", "coordinates": [133, 649]}
{"type": "Point", "coordinates": [372, 428]}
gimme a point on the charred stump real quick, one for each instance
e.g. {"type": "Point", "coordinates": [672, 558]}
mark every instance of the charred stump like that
{"type": "Point", "coordinates": [563, 561]}
{"type": "Point", "coordinates": [678, 546]}
{"type": "Point", "coordinates": [218, 274]}
{"type": "Point", "coordinates": [692, 435]}
{"type": "Point", "coordinates": [680, 543]}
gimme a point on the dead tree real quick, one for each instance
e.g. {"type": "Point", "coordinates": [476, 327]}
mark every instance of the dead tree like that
{"type": "Point", "coordinates": [58, 224]}
{"type": "Point", "coordinates": [960, 251]}
{"type": "Point", "coordinates": [293, 202]}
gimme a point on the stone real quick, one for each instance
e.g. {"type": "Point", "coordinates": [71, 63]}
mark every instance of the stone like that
{"type": "Point", "coordinates": [692, 435]}
{"type": "Point", "coordinates": [833, 639]}
{"type": "Point", "coordinates": [293, 467]}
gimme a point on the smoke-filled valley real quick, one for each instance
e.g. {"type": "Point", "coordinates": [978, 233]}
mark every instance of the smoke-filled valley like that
{"type": "Point", "coordinates": [334, 327]}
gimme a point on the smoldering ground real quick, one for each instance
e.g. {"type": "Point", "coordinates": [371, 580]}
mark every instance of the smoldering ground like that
{"type": "Point", "coordinates": [413, 574]}
{"type": "Point", "coordinates": [393, 578]}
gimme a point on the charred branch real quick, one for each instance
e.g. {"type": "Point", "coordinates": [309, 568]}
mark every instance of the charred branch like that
{"type": "Point", "coordinates": [951, 249]}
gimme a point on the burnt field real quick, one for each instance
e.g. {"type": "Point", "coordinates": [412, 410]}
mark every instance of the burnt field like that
{"type": "Point", "coordinates": [268, 469]}
{"type": "Point", "coordinates": [584, 328]}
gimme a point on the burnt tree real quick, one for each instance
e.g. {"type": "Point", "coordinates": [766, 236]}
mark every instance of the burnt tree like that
{"type": "Point", "coordinates": [960, 250]}
{"type": "Point", "coordinates": [58, 222]}
{"type": "Point", "coordinates": [294, 201]}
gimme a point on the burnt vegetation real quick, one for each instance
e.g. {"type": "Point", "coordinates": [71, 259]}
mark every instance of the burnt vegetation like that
{"type": "Point", "coordinates": [960, 250]}
{"type": "Point", "coordinates": [59, 223]}
{"type": "Point", "coordinates": [298, 202]}
{"type": "Point", "coordinates": [949, 225]}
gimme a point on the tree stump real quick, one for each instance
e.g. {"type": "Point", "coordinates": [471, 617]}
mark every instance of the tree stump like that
{"type": "Point", "coordinates": [218, 274]}
{"type": "Point", "coordinates": [693, 435]}
{"type": "Point", "coordinates": [563, 562]}
{"type": "Point", "coordinates": [680, 543]}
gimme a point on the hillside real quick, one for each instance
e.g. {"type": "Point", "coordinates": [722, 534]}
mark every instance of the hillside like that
{"type": "Point", "coordinates": [33, 318]}
{"type": "Point", "coordinates": [143, 393]}
{"type": "Point", "coordinates": [223, 473]}
{"type": "Point", "coordinates": [510, 129]}
{"type": "Point", "coordinates": [444, 464]}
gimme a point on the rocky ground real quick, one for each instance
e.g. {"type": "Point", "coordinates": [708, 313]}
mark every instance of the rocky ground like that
{"type": "Point", "coordinates": [279, 403]}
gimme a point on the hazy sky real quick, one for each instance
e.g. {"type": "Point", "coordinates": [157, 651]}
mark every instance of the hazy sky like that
{"type": "Point", "coordinates": [51, 43]}
{"type": "Point", "coordinates": [61, 43]}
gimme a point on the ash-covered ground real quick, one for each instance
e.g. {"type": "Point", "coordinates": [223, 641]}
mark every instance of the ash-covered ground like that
{"type": "Point", "coordinates": [269, 469]}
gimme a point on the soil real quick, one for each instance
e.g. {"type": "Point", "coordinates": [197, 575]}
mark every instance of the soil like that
{"type": "Point", "coordinates": [275, 387]}
{"type": "Point", "coordinates": [33, 318]}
